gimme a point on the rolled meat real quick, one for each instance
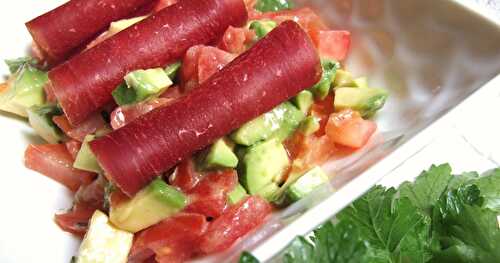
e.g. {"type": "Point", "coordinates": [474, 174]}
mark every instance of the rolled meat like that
{"type": "Point", "coordinates": [58, 33]}
{"type": "Point", "coordinates": [272, 71]}
{"type": "Point", "coordinates": [84, 83]}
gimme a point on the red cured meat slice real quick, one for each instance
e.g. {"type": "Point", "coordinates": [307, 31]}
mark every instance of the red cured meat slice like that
{"type": "Point", "coordinates": [272, 71]}
{"type": "Point", "coordinates": [60, 31]}
{"type": "Point", "coordinates": [84, 83]}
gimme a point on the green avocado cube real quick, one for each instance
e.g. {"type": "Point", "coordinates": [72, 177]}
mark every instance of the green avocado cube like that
{"type": "Point", "coordinates": [237, 194]}
{"type": "Point", "coordinates": [263, 164]}
{"type": "Point", "coordinates": [220, 155]}
{"type": "Point", "coordinates": [85, 159]}
{"type": "Point", "coordinates": [361, 82]}
{"type": "Point", "coordinates": [40, 119]}
{"type": "Point", "coordinates": [367, 101]}
{"type": "Point", "coordinates": [279, 123]}
{"type": "Point", "coordinates": [141, 85]}
{"type": "Point", "coordinates": [149, 206]}
{"type": "Point", "coordinates": [309, 125]}
{"type": "Point", "coordinates": [343, 79]}
{"type": "Point", "coordinates": [322, 88]}
{"type": "Point", "coordinates": [304, 100]}
{"type": "Point", "coordinates": [306, 184]}
{"type": "Point", "coordinates": [273, 5]}
{"type": "Point", "coordinates": [24, 90]}
{"type": "Point", "coordinates": [262, 27]}
{"type": "Point", "coordinates": [172, 70]}
{"type": "Point", "coordinates": [120, 25]}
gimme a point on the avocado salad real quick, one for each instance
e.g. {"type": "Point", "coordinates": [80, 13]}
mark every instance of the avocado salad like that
{"type": "Point", "coordinates": [214, 197]}
{"type": "Point", "coordinates": [440, 217]}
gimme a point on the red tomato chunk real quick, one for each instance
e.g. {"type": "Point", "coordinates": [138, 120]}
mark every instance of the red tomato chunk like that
{"type": "Point", "coordinates": [349, 129]}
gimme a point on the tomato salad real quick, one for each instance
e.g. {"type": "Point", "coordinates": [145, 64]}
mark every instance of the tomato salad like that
{"type": "Point", "coordinates": [180, 126]}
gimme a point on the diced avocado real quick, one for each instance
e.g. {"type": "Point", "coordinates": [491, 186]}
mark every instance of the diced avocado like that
{"type": "Point", "coordinates": [140, 85]}
{"type": "Point", "coordinates": [361, 82]}
{"type": "Point", "coordinates": [273, 5]}
{"type": "Point", "coordinates": [103, 242]}
{"type": "Point", "coordinates": [85, 159]}
{"type": "Point", "coordinates": [267, 192]}
{"type": "Point", "coordinates": [365, 100]}
{"type": "Point", "coordinates": [149, 206]}
{"type": "Point", "coordinates": [309, 125]}
{"type": "Point", "coordinates": [262, 27]}
{"type": "Point", "coordinates": [237, 194]}
{"type": "Point", "coordinates": [279, 123]}
{"type": "Point", "coordinates": [220, 155]}
{"type": "Point", "coordinates": [303, 101]}
{"type": "Point", "coordinates": [172, 70]}
{"type": "Point", "coordinates": [322, 88]}
{"type": "Point", "coordinates": [262, 164]}
{"type": "Point", "coordinates": [343, 79]}
{"type": "Point", "coordinates": [24, 90]}
{"type": "Point", "coordinates": [120, 25]}
{"type": "Point", "coordinates": [306, 183]}
{"type": "Point", "coordinates": [40, 118]}
{"type": "Point", "coordinates": [15, 64]}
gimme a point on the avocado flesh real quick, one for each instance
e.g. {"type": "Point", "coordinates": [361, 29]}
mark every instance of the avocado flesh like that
{"type": "Point", "coordinates": [306, 184]}
{"type": "Point", "coordinates": [322, 88]}
{"type": "Point", "coordinates": [262, 27]}
{"type": "Point", "coordinates": [103, 242]}
{"type": "Point", "coordinates": [304, 100]}
{"type": "Point", "coordinates": [367, 101]}
{"type": "Point", "coordinates": [85, 159]}
{"type": "Point", "coordinates": [237, 194]}
{"type": "Point", "coordinates": [40, 119]}
{"type": "Point", "coordinates": [141, 85]}
{"type": "Point", "coordinates": [24, 90]}
{"type": "Point", "coordinates": [149, 206]}
{"type": "Point", "coordinates": [120, 25]}
{"type": "Point", "coordinates": [263, 164]}
{"type": "Point", "coordinates": [278, 123]}
{"type": "Point", "coordinates": [309, 125]}
{"type": "Point", "coordinates": [220, 155]}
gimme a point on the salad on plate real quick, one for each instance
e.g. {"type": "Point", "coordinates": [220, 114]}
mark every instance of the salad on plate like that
{"type": "Point", "coordinates": [180, 126]}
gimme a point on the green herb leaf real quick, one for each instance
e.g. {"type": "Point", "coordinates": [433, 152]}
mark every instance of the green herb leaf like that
{"type": "Point", "coordinates": [15, 64]}
{"type": "Point", "coordinates": [489, 184]}
{"type": "Point", "coordinates": [273, 5]}
{"type": "Point", "coordinates": [248, 258]}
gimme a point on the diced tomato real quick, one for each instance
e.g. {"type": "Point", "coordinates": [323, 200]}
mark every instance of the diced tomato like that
{"type": "Point", "coordinates": [162, 4]}
{"type": "Point", "coordinates": [209, 196]}
{"type": "Point", "coordinates": [332, 44]}
{"type": "Point", "coordinates": [349, 129]}
{"type": "Point", "coordinates": [78, 133]}
{"type": "Point", "coordinates": [252, 12]}
{"type": "Point", "coordinates": [54, 161]}
{"type": "Point", "coordinates": [185, 176]}
{"type": "Point", "coordinates": [237, 39]}
{"type": "Point", "coordinates": [305, 17]}
{"type": "Point", "coordinates": [174, 239]}
{"type": "Point", "coordinates": [92, 194]}
{"type": "Point", "coordinates": [200, 62]}
{"type": "Point", "coordinates": [236, 222]}
{"type": "Point", "coordinates": [125, 114]}
{"type": "Point", "coordinates": [49, 93]}
{"type": "Point", "coordinates": [322, 110]}
{"type": "Point", "coordinates": [309, 151]}
{"type": "Point", "coordinates": [73, 147]}
{"type": "Point", "coordinates": [75, 221]}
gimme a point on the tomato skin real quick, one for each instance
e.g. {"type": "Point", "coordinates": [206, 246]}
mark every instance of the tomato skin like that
{"type": "Point", "coordinates": [305, 17]}
{"type": "Point", "coordinates": [200, 62]}
{"type": "Point", "coordinates": [347, 128]}
{"type": "Point", "coordinates": [332, 44]}
{"type": "Point", "coordinates": [127, 113]}
{"type": "Point", "coordinates": [309, 151]}
{"type": "Point", "coordinates": [174, 239]}
{"type": "Point", "coordinates": [236, 39]}
{"type": "Point", "coordinates": [209, 196]}
{"type": "Point", "coordinates": [92, 194]}
{"type": "Point", "coordinates": [236, 222]}
{"type": "Point", "coordinates": [54, 161]}
{"type": "Point", "coordinates": [76, 220]}
{"type": "Point", "coordinates": [73, 147]}
{"type": "Point", "coordinates": [322, 110]}
{"type": "Point", "coordinates": [79, 132]}
{"type": "Point", "coordinates": [185, 177]}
